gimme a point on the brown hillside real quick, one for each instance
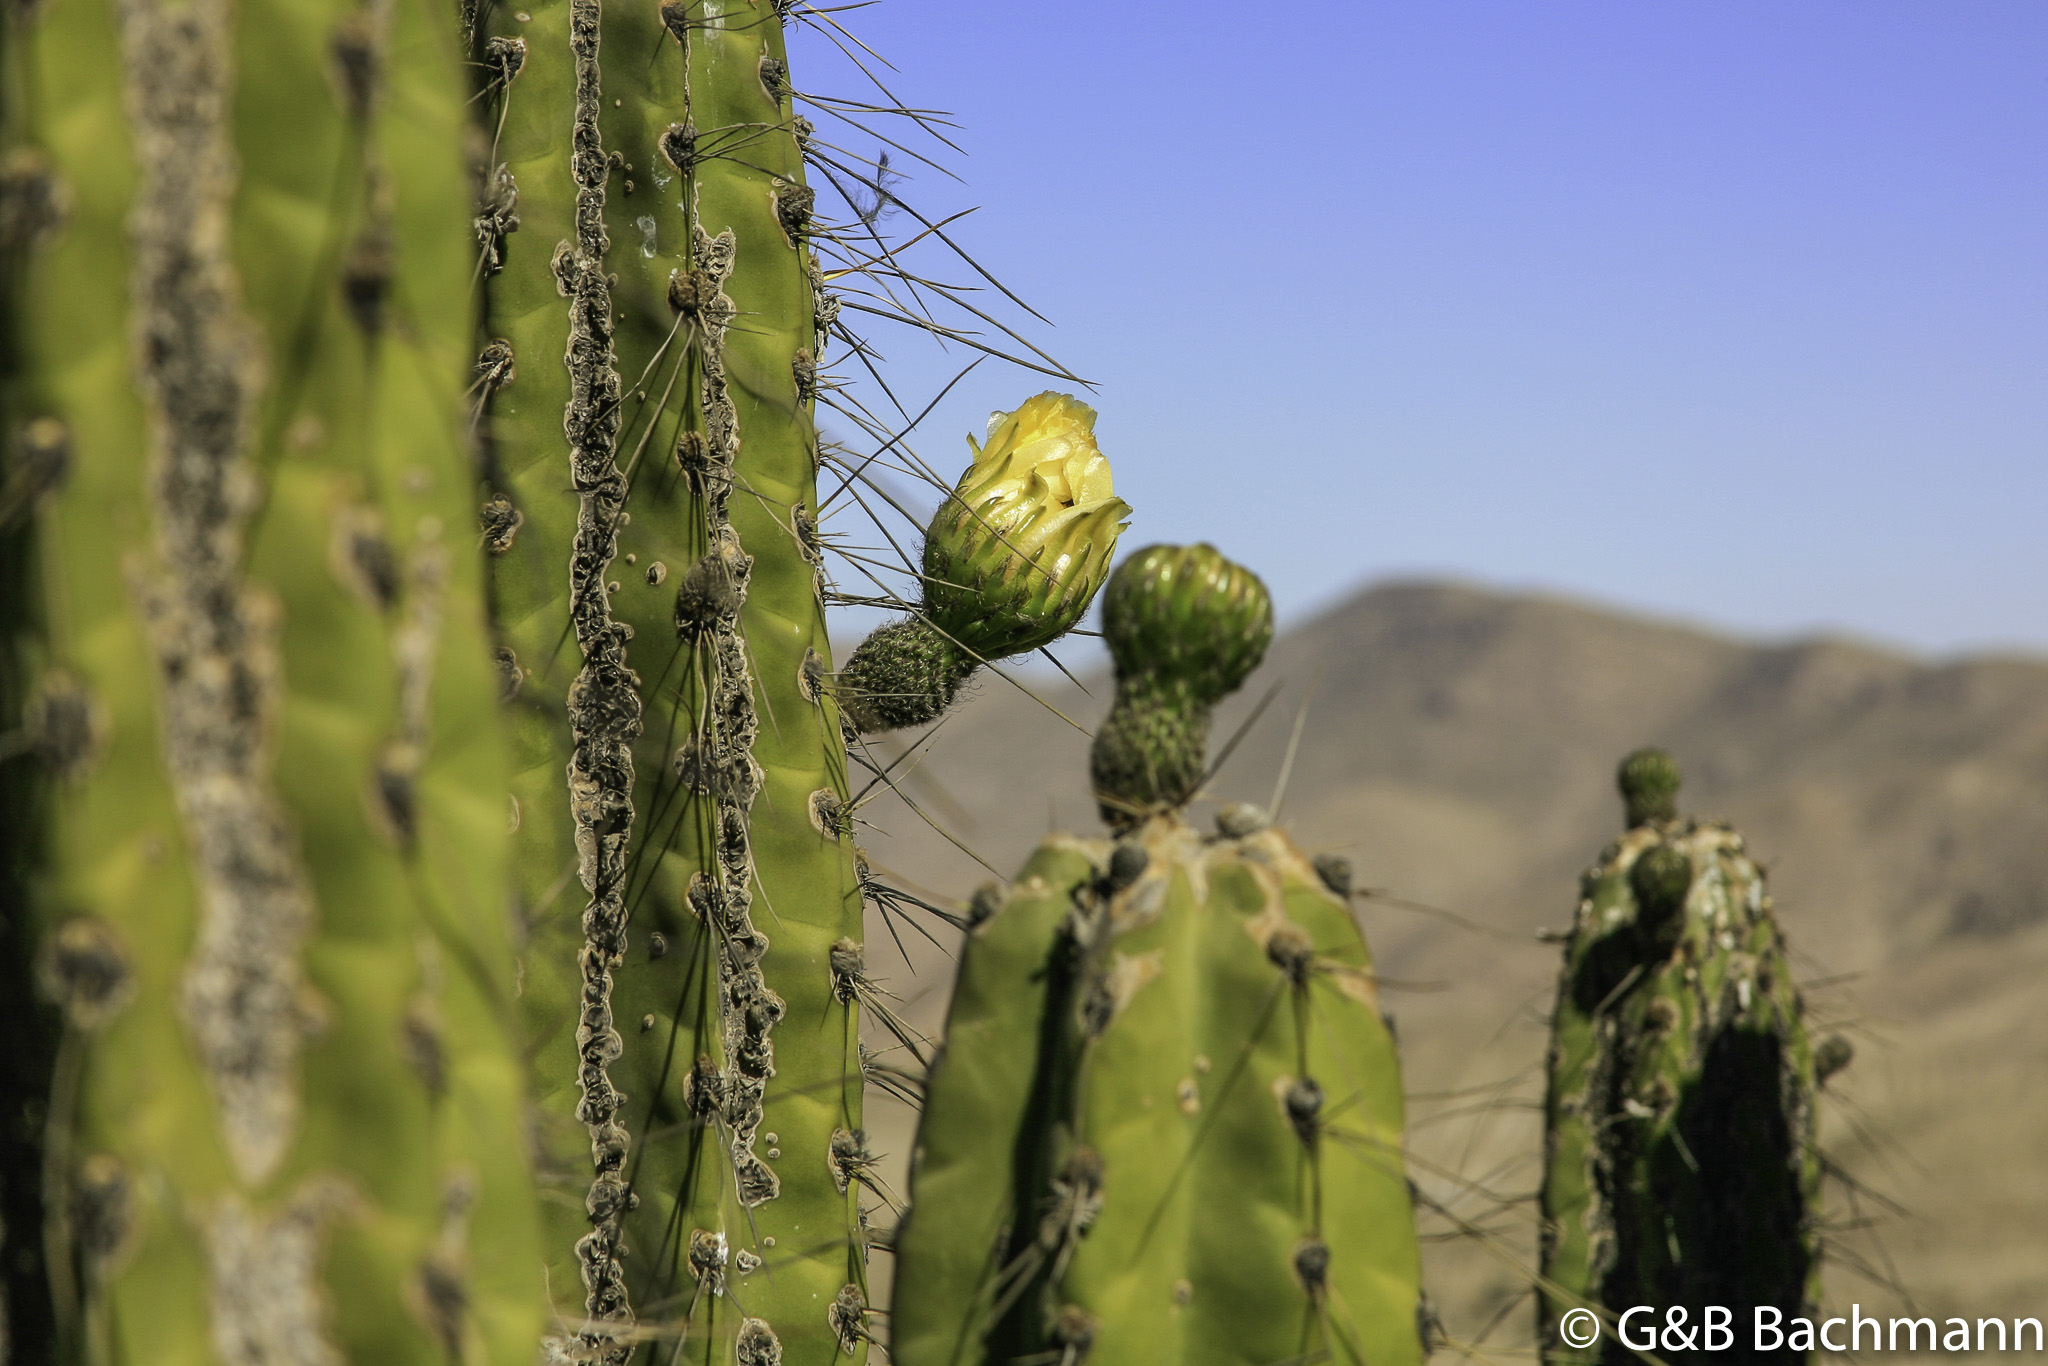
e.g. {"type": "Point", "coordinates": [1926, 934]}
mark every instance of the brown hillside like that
{"type": "Point", "coordinates": [1460, 746]}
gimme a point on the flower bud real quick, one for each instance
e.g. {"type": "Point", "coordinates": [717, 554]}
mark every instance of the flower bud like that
{"type": "Point", "coordinates": [1014, 557]}
{"type": "Point", "coordinates": [1186, 615]}
{"type": "Point", "coordinates": [1648, 779]}
{"type": "Point", "coordinates": [1186, 627]}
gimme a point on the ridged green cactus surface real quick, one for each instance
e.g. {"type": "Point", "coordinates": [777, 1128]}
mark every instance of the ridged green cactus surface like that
{"type": "Point", "coordinates": [262, 768]}
{"type": "Point", "coordinates": [1200, 1158]}
{"type": "Point", "coordinates": [1166, 1125]}
{"type": "Point", "coordinates": [650, 357]}
{"type": "Point", "coordinates": [1680, 1166]}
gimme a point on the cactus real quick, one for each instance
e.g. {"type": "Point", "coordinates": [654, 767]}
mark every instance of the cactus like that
{"type": "Point", "coordinates": [1166, 1124]}
{"type": "Point", "coordinates": [1679, 1166]}
{"type": "Point", "coordinates": [254, 804]}
{"type": "Point", "coordinates": [686, 1026]}
{"type": "Point", "coordinates": [649, 371]}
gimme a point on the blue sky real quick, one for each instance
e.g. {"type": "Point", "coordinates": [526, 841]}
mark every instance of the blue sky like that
{"type": "Point", "coordinates": [1729, 312]}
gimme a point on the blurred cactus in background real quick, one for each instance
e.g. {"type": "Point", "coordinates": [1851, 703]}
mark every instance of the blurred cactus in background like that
{"type": "Point", "coordinates": [1166, 1125]}
{"type": "Point", "coordinates": [1680, 1167]}
{"type": "Point", "coordinates": [254, 814]}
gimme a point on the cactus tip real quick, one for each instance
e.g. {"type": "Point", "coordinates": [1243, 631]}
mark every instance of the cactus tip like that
{"type": "Point", "coordinates": [1649, 780]}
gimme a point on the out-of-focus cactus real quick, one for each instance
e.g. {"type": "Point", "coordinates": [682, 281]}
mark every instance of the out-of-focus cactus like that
{"type": "Point", "coordinates": [1166, 1125]}
{"type": "Point", "coordinates": [1011, 561]}
{"type": "Point", "coordinates": [1680, 1167]}
{"type": "Point", "coordinates": [253, 791]}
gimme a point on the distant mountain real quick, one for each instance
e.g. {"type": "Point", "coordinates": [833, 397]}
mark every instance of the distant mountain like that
{"type": "Point", "coordinates": [1460, 746]}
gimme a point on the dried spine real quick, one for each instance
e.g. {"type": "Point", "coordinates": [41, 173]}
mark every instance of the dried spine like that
{"type": "Point", "coordinates": [604, 702]}
{"type": "Point", "coordinates": [212, 636]}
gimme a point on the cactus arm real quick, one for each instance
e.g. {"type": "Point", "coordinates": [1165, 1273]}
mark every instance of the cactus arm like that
{"type": "Point", "coordinates": [954, 1255]}
{"type": "Point", "coordinates": [1209, 1192]}
{"type": "Point", "coordinates": [1207, 1164]}
{"type": "Point", "coordinates": [719, 888]}
{"type": "Point", "coordinates": [1680, 1164]}
{"type": "Point", "coordinates": [1730, 1168]}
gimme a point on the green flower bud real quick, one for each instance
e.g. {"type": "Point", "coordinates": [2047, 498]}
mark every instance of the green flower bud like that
{"type": "Point", "coordinates": [1187, 627]}
{"type": "Point", "coordinates": [1014, 557]}
{"type": "Point", "coordinates": [1185, 615]}
{"type": "Point", "coordinates": [1648, 780]}
{"type": "Point", "coordinates": [1660, 880]}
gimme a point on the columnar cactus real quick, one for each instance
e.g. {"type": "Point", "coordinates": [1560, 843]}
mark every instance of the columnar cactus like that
{"type": "Point", "coordinates": [1680, 1167]}
{"type": "Point", "coordinates": [652, 317]}
{"type": "Point", "coordinates": [254, 785]}
{"type": "Point", "coordinates": [649, 370]}
{"type": "Point", "coordinates": [1166, 1124]}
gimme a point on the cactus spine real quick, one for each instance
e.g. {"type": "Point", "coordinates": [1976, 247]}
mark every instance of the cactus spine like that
{"type": "Point", "coordinates": [1680, 1167]}
{"type": "Point", "coordinates": [258, 788]}
{"type": "Point", "coordinates": [1198, 1156]}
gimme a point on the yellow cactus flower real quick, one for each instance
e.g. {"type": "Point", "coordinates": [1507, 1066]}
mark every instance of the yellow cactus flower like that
{"type": "Point", "coordinates": [1017, 553]}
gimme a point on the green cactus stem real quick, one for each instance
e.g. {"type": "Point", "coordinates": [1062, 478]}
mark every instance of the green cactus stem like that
{"type": "Point", "coordinates": [1012, 559]}
{"type": "Point", "coordinates": [258, 788]}
{"type": "Point", "coordinates": [1680, 1166]}
{"type": "Point", "coordinates": [649, 372]}
{"type": "Point", "coordinates": [1166, 1124]}
{"type": "Point", "coordinates": [649, 364]}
